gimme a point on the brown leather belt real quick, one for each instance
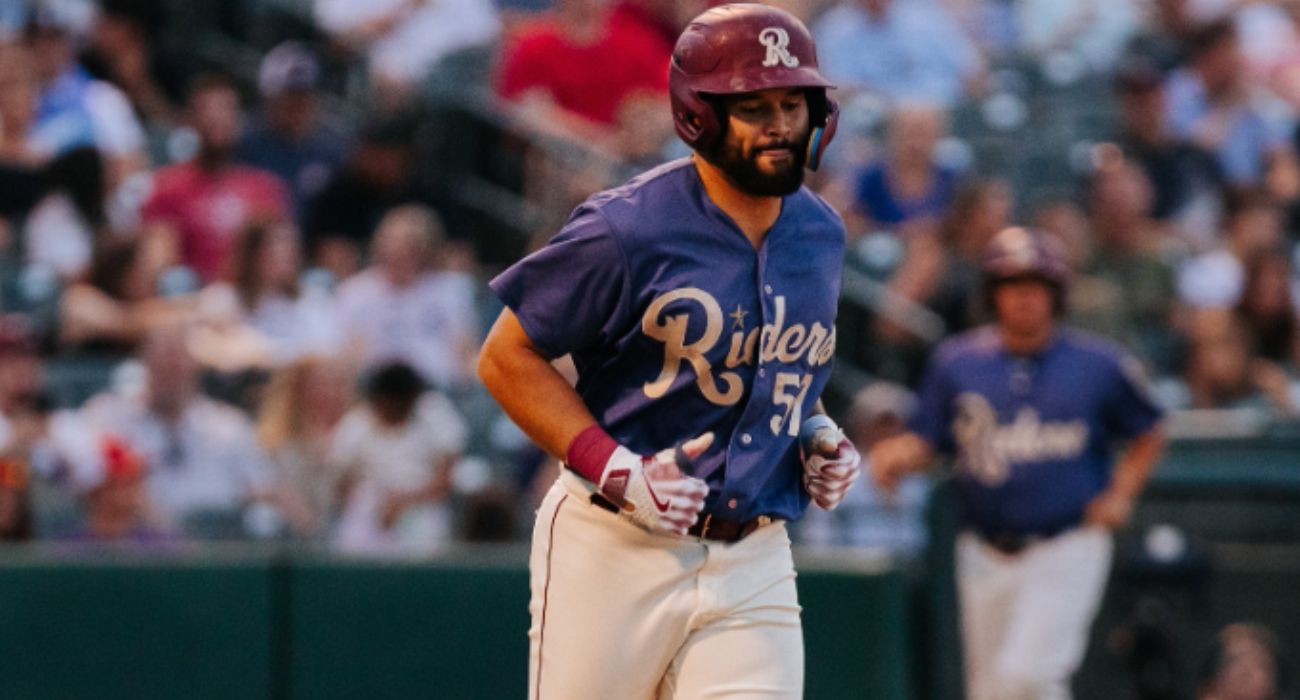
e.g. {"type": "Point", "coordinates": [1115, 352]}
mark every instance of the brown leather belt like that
{"type": "Point", "coordinates": [707, 527]}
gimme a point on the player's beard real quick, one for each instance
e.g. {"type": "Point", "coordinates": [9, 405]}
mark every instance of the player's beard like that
{"type": "Point", "coordinates": [744, 173]}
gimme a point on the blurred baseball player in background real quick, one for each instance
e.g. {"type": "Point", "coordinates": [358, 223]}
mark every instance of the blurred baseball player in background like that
{"type": "Point", "coordinates": [698, 303]}
{"type": "Point", "coordinates": [1030, 411]}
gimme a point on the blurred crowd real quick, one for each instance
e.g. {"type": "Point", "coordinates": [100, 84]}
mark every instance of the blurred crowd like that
{"type": "Point", "coordinates": [244, 245]}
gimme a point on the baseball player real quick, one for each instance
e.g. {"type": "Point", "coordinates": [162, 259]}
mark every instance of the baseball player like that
{"type": "Point", "coordinates": [698, 304]}
{"type": "Point", "coordinates": [1030, 411]}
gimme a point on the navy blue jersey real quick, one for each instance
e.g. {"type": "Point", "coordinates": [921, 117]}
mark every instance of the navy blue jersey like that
{"type": "Point", "coordinates": [1032, 436]}
{"type": "Point", "coordinates": [678, 326]}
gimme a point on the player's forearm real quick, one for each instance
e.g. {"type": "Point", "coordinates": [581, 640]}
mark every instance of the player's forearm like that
{"type": "Point", "coordinates": [531, 391]}
{"type": "Point", "coordinates": [1138, 461]}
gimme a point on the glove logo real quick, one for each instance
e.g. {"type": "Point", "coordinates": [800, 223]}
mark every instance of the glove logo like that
{"type": "Point", "coordinates": [661, 506]}
{"type": "Point", "coordinates": [776, 40]}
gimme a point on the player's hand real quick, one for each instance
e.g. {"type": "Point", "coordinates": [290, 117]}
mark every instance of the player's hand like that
{"type": "Point", "coordinates": [1109, 510]}
{"type": "Point", "coordinates": [831, 462]}
{"type": "Point", "coordinates": [893, 458]}
{"type": "Point", "coordinates": [652, 491]}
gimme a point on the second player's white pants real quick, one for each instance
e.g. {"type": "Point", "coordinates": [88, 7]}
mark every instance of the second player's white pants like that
{"type": "Point", "coordinates": [618, 612]}
{"type": "Point", "coordinates": [1026, 617]}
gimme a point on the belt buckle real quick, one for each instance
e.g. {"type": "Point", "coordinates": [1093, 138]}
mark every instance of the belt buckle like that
{"type": "Point", "coordinates": [704, 527]}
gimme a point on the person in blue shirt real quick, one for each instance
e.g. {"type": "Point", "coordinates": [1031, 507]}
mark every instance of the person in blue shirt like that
{"type": "Point", "coordinates": [900, 50]}
{"type": "Point", "coordinates": [1029, 412]}
{"type": "Point", "coordinates": [698, 305]}
{"type": "Point", "coordinates": [290, 138]}
{"type": "Point", "coordinates": [907, 186]}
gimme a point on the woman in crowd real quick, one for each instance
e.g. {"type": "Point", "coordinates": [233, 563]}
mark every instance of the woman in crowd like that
{"type": "Point", "coordinates": [300, 410]}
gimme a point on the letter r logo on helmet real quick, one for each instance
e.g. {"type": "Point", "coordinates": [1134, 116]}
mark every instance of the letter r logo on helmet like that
{"type": "Point", "coordinates": [741, 48]}
{"type": "Point", "coordinates": [776, 40]}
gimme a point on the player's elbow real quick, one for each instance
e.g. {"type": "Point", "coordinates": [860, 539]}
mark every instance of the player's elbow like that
{"type": "Point", "coordinates": [490, 368]}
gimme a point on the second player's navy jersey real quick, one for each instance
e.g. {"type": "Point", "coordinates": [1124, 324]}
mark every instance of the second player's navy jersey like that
{"type": "Point", "coordinates": [679, 326]}
{"type": "Point", "coordinates": [1032, 436]}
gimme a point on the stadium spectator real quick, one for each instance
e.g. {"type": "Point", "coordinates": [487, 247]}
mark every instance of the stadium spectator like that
{"type": "Point", "coordinates": [21, 366]}
{"type": "Point", "coordinates": [15, 505]}
{"type": "Point", "coordinates": [290, 138]}
{"type": "Point", "coordinates": [991, 25]}
{"type": "Point", "coordinates": [1222, 371]}
{"type": "Point", "coordinates": [205, 202]}
{"type": "Point", "coordinates": [1267, 309]}
{"type": "Point", "coordinates": [1215, 279]}
{"type": "Point", "coordinates": [378, 176]}
{"type": "Point", "coordinates": [19, 90]}
{"type": "Point", "coordinates": [1281, 67]}
{"type": "Point", "coordinates": [1131, 298]}
{"type": "Point", "coordinates": [128, 47]}
{"type": "Point", "coordinates": [942, 270]}
{"type": "Point", "coordinates": [1210, 103]}
{"type": "Point", "coordinates": [402, 40]}
{"type": "Point", "coordinates": [299, 413]}
{"type": "Point", "coordinates": [575, 73]}
{"type": "Point", "coordinates": [21, 184]}
{"type": "Point", "coordinates": [23, 424]}
{"type": "Point", "coordinates": [901, 50]}
{"type": "Point", "coordinates": [290, 319]}
{"type": "Point", "coordinates": [1186, 180]}
{"type": "Point", "coordinates": [398, 449]}
{"type": "Point", "coordinates": [908, 190]}
{"type": "Point", "coordinates": [1093, 32]}
{"type": "Point", "coordinates": [74, 109]}
{"type": "Point", "coordinates": [1163, 42]}
{"type": "Point", "coordinates": [403, 308]}
{"type": "Point", "coordinates": [205, 465]}
{"type": "Point", "coordinates": [115, 502]}
{"type": "Point", "coordinates": [118, 304]}
{"type": "Point", "coordinates": [667, 18]}
{"type": "Point", "coordinates": [1270, 44]}
{"type": "Point", "coordinates": [62, 229]}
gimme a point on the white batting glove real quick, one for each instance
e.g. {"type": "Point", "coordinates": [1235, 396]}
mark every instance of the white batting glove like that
{"type": "Point", "coordinates": [831, 462]}
{"type": "Point", "coordinates": [652, 491]}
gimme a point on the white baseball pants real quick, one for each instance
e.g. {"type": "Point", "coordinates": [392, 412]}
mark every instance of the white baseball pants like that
{"type": "Point", "coordinates": [1026, 617]}
{"type": "Point", "coordinates": [618, 612]}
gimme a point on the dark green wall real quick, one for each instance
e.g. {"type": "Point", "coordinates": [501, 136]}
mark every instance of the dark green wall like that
{"type": "Point", "coordinates": [283, 627]}
{"type": "Point", "coordinates": [106, 631]}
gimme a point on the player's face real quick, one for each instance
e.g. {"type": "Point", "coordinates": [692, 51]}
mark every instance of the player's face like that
{"type": "Point", "coordinates": [766, 142]}
{"type": "Point", "coordinates": [1024, 305]}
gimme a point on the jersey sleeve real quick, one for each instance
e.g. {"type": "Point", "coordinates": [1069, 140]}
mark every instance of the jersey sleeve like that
{"type": "Point", "coordinates": [1130, 410]}
{"type": "Point", "coordinates": [570, 294]}
{"type": "Point", "coordinates": [933, 418]}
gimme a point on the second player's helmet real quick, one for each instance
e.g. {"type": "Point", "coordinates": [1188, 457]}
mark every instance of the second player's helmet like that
{"type": "Point", "coordinates": [739, 48]}
{"type": "Point", "coordinates": [1021, 252]}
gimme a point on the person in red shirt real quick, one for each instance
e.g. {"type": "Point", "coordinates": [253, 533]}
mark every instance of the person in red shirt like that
{"type": "Point", "coordinates": [204, 203]}
{"type": "Point", "coordinates": [573, 73]}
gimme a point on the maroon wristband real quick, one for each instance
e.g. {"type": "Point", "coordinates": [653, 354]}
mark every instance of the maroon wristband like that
{"type": "Point", "coordinates": [589, 452]}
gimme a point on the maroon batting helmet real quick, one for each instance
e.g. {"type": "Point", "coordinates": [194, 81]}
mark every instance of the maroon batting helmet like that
{"type": "Point", "coordinates": [1020, 252]}
{"type": "Point", "coordinates": [740, 48]}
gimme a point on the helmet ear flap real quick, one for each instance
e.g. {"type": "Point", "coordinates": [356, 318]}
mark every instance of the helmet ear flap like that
{"type": "Point", "coordinates": [694, 117]}
{"type": "Point", "coordinates": [823, 130]}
